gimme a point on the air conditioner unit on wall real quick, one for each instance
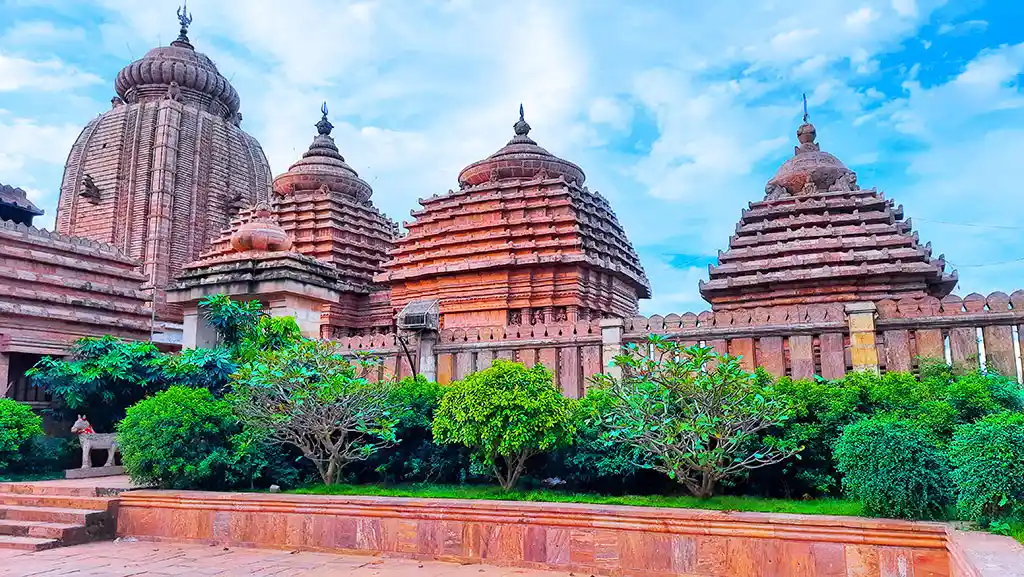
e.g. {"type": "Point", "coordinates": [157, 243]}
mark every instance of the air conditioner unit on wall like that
{"type": "Point", "coordinates": [420, 315]}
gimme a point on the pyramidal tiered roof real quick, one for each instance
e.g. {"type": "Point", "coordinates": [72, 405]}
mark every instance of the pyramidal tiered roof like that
{"type": "Point", "coordinates": [817, 237]}
{"type": "Point", "coordinates": [325, 207]}
{"type": "Point", "coordinates": [522, 235]}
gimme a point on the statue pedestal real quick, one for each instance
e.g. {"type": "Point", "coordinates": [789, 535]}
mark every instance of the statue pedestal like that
{"type": "Point", "coordinates": [94, 472]}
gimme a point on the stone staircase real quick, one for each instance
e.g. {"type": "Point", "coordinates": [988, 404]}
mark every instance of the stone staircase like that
{"type": "Point", "coordinates": [36, 516]}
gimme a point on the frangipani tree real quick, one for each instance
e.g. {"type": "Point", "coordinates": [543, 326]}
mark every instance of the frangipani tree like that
{"type": "Point", "coordinates": [698, 415]}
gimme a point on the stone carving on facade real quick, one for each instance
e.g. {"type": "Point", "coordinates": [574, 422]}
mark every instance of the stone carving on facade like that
{"type": "Point", "coordinates": [559, 315]}
{"type": "Point", "coordinates": [537, 317]}
{"type": "Point", "coordinates": [236, 119]}
{"type": "Point", "coordinates": [89, 189]}
{"type": "Point", "coordinates": [845, 183]}
{"type": "Point", "coordinates": [515, 318]}
{"type": "Point", "coordinates": [542, 174]}
{"type": "Point", "coordinates": [237, 203]}
{"type": "Point", "coordinates": [90, 440]}
{"type": "Point", "coordinates": [775, 191]}
{"type": "Point", "coordinates": [116, 101]}
{"type": "Point", "coordinates": [173, 92]}
{"type": "Point", "coordinates": [493, 176]}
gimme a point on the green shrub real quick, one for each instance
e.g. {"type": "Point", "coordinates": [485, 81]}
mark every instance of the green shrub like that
{"type": "Point", "coordinates": [416, 458]}
{"type": "Point", "coordinates": [310, 386]}
{"type": "Point", "coordinates": [988, 461]}
{"type": "Point", "coordinates": [697, 416]}
{"type": "Point", "coordinates": [594, 460]}
{"type": "Point", "coordinates": [43, 454]}
{"type": "Point", "coordinates": [893, 468]}
{"type": "Point", "coordinates": [200, 368]}
{"type": "Point", "coordinates": [179, 439]}
{"type": "Point", "coordinates": [18, 424]}
{"type": "Point", "coordinates": [506, 414]}
{"type": "Point", "coordinates": [103, 377]}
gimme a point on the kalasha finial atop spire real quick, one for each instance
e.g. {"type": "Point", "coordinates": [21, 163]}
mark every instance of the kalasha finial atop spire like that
{"type": "Point", "coordinates": [521, 127]}
{"type": "Point", "coordinates": [806, 134]}
{"type": "Point", "coordinates": [324, 127]}
{"type": "Point", "coordinates": [185, 19]}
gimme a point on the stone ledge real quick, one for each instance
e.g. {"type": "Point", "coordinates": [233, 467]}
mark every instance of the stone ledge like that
{"type": "Point", "coordinates": [607, 540]}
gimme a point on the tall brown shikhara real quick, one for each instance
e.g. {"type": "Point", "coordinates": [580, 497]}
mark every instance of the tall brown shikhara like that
{"type": "Point", "coordinates": [161, 173]}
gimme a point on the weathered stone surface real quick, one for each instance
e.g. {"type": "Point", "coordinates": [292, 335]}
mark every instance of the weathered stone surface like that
{"type": "Point", "coordinates": [592, 539]}
{"type": "Point", "coordinates": [521, 242]}
{"type": "Point", "coordinates": [818, 238]}
{"type": "Point", "coordinates": [161, 173]}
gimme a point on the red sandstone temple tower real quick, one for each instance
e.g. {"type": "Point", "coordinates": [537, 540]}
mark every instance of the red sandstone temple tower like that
{"type": "Point", "coordinates": [818, 238]}
{"type": "Point", "coordinates": [161, 173]}
{"type": "Point", "coordinates": [522, 241]}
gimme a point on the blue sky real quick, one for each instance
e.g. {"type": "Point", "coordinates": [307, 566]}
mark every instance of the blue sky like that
{"type": "Point", "coordinates": [678, 111]}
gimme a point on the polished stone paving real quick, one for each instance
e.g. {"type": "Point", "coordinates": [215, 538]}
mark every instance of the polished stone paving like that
{"type": "Point", "coordinates": [128, 558]}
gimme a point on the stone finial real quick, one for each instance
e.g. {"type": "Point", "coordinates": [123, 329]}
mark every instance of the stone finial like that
{"type": "Point", "coordinates": [521, 127]}
{"type": "Point", "coordinates": [324, 127]}
{"type": "Point", "coordinates": [184, 19]}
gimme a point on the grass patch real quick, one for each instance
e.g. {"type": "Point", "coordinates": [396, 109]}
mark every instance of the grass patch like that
{"type": "Point", "coordinates": [28, 477]}
{"type": "Point", "coordinates": [492, 493]}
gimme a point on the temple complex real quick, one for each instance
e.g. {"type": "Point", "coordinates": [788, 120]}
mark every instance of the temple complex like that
{"type": "Point", "coordinates": [522, 241]}
{"type": "Point", "coordinates": [161, 173]}
{"type": "Point", "coordinates": [818, 238]}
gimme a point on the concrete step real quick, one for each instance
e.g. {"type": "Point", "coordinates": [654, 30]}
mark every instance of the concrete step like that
{"type": "Point", "coordinates": [52, 514]}
{"type": "Point", "coordinates": [26, 543]}
{"type": "Point", "coordinates": [63, 532]}
{"type": "Point", "coordinates": [60, 501]}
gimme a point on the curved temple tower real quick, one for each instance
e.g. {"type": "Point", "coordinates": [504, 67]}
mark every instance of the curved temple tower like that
{"type": "Point", "coordinates": [818, 238]}
{"type": "Point", "coordinates": [162, 172]}
{"type": "Point", "coordinates": [522, 241]}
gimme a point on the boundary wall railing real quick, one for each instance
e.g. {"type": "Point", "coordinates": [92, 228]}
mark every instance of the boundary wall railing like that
{"type": "Point", "coordinates": [800, 341]}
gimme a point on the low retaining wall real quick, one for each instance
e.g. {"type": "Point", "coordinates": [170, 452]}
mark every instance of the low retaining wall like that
{"type": "Point", "coordinates": [598, 539]}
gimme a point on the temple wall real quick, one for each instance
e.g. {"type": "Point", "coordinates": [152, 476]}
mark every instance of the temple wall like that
{"type": "Point", "coordinates": [586, 539]}
{"type": "Point", "coordinates": [800, 341]}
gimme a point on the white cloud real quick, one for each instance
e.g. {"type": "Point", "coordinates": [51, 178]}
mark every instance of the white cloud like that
{"type": "Point", "coordinates": [614, 113]}
{"type": "Point", "coordinates": [48, 75]}
{"type": "Point", "coordinates": [905, 8]}
{"type": "Point", "coordinates": [860, 19]}
{"type": "Point", "coordinates": [965, 27]}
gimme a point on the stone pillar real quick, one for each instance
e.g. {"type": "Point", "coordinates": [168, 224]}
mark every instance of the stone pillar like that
{"type": "Point", "coordinates": [5, 373]}
{"type": "Point", "coordinates": [611, 345]}
{"type": "Point", "coordinates": [156, 264]}
{"type": "Point", "coordinates": [196, 332]}
{"type": "Point", "coordinates": [425, 354]}
{"type": "Point", "coordinates": [863, 352]}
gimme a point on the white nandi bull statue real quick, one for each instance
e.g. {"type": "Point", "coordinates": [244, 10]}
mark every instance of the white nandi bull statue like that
{"type": "Point", "coordinates": [90, 440]}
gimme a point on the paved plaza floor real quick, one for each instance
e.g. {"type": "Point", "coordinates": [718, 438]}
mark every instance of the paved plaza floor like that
{"type": "Point", "coordinates": [126, 558]}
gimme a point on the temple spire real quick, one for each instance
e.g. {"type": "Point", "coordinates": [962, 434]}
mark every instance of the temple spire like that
{"type": "Point", "coordinates": [324, 127]}
{"type": "Point", "coordinates": [184, 19]}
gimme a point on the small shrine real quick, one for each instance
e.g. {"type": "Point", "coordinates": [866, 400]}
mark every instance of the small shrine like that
{"type": "Point", "coordinates": [16, 207]}
{"type": "Point", "coordinates": [523, 241]}
{"type": "Point", "coordinates": [817, 237]}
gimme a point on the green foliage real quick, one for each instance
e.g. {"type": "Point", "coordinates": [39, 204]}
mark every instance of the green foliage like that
{"type": "Point", "coordinates": [103, 377]}
{"type": "Point", "coordinates": [178, 439]}
{"type": "Point", "coordinates": [233, 320]}
{"type": "Point", "coordinates": [505, 414]}
{"type": "Point", "coordinates": [44, 455]}
{"type": "Point", "coordinates": [820, 411]}
{"type": "Point", "coordinates": [309, 396]}
{"type": "Point", "coordinates": [988, 461]}
{"type": "Point", "coordinates": [202, 368]}
{"type": "Point", "coordinates": [416, 458]}
{"type": "Point", "coordinates": [245, 329]}
{"type": "Point", "coordinates": [18, 424]}
{"type": "Point", "coordinates": [698, 416]}
{"type": "Point", "coordinates": [894, 468]}
{"type": "Point", "coordinates": [717, 503]}
{"type": "Point", "coordinates": [595, 460]}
